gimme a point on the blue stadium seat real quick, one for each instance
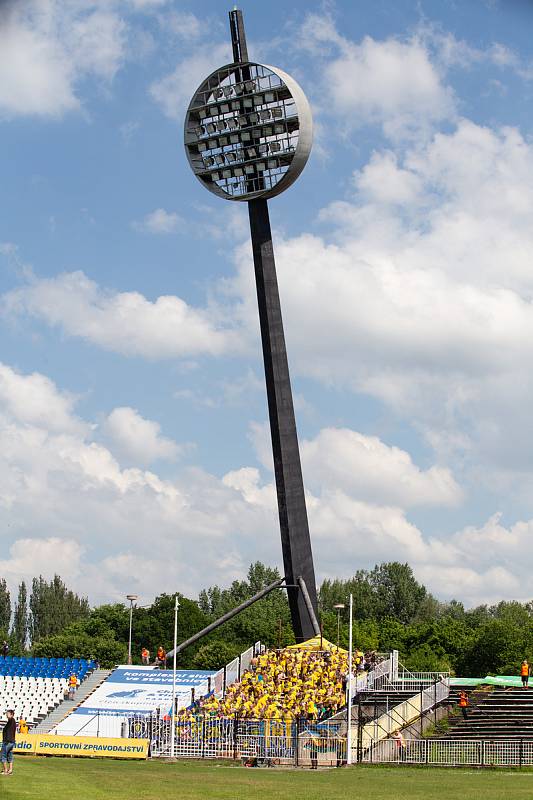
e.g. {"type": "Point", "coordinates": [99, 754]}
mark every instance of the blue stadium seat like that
{"type": "Point", "coordinates": [39, 667]}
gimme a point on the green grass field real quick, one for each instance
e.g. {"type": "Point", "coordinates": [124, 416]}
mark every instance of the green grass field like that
{"type": "Point", "coordinates": [78, 779]}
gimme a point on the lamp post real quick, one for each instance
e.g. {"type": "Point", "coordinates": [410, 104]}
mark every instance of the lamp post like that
{"type": "Point", "coordinates": [132, 598]}
{"type": "Point", "coordinates": [173, 716]}
{"type": "Point", "coordinates": [248, 135]}
{"type": "Point", "coordinates": [349, 714]}
{"type": "Point", "coordinates": [339, 607]}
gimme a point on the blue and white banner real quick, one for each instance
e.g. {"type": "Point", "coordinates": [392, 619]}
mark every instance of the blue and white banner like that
{"type": "Point", "coordinates": [136, 691]}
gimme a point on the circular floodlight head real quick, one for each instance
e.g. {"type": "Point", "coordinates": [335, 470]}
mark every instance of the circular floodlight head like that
{"type": "Point", "coordinates": [248, 131]}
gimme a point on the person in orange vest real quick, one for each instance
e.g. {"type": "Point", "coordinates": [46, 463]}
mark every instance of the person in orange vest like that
{"type": "Point", "coordinates": [162, 657]}
{"type": "Point", "coordinates": [72, 686]}
{"type": "Point", "coordinates": [23, 726]}
{"type": "Point", "coordinates": [145, 656]}
{"type": "Point", "coordinates": [524, 673]}
{"type": "Point", "coordinates": [463, 704]}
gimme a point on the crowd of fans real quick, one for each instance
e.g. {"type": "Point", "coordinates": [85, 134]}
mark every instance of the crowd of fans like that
{"type": "Point", "coordinates": [285, 684]}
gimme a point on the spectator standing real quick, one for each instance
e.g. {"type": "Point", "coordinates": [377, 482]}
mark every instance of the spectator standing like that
{"type": "Point", "coordinates": [524, 673]}
{"type": "Point", "coordinates": [463, 704]}
{"type": "Point", "coordinates": [72, 686]}
{"type": "Point", "coordinates": [397, 736]}
{"type": "Point", "coordinates": [314, 751]}
{"type": "Point", "coordinates": [145, 656]}
{"type": "Point", "coordinates": [5, 649]}
{"type": "Point", "coordinates": [8, 743]}
{"type": "Point", "coordinates": [161, 657]}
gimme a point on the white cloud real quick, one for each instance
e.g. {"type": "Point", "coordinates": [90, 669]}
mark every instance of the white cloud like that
{"type": "Point", "coordinates": [365, 467]}
{"type": "Point", "coordinates": [34, 400]}
{"type": "Point", "coordinates": [87, 518]}
{"type": "Point", "coordinates": [174, 92]}
{"type": "Point", "coordinates": [160, 221]}
{"type": "Point", "coordinates": [147, 5]}
{"type": "Point", "coordinates": [394, 83]}
{"type": "Point", "coordinates": [29, 558]}
{"type": "Point", "coordinates": [125, 322]}
{"type": "Point", "coordinates": [420, 292]}
{"type": "Point", "coordinates": [383, 181]}
{"type": "Point", "coordinates": [66, 506]}
{"type": "Point", "coordinates": [138, 439]}
{"type": "Point", "coordinates": [183, 24]}
{"type": "Point", "coordinates": [421, 297]}
{"type": "Point", "coordinates": [46, 48]}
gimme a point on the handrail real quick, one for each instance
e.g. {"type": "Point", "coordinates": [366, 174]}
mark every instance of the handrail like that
{"type": "Point", "coordinates": [94, 716]}
{"type": "Point", "coordinates": [419, 702]}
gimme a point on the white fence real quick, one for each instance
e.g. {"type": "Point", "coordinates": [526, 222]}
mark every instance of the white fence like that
{"type": "Point", "coordinates": [450, 753]}
{"type": "Point", "coordinates": [303, 743]}
{"type": "Point", "coordinates": [279, 742]}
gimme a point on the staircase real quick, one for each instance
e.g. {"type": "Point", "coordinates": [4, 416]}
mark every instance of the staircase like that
{"type": "Point", "coordinates": [500, 714]}
{"type": "Point", "coordinates": [375, 703]}
{"type": "Point", "coordinates": [88, 686]}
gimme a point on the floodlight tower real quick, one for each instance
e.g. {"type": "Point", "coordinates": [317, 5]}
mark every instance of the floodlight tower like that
{"type": "Point", "coordinates": [248, 135]}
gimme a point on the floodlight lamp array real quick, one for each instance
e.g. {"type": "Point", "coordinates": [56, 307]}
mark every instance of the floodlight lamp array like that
{"type": "Point", "coordinates": [248, 131]}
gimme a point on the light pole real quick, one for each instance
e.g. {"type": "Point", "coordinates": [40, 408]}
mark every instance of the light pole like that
{"type": "Point", "coordinates": [132, 598]}
{"type": "Point", "coordinates": [248, 135]}
{"type": "Point", "coordinates": [173, 716]}
{"type": "Point", "coordinates": [339, 607]}
{"type": "Point", "coordinates": [349, 715]}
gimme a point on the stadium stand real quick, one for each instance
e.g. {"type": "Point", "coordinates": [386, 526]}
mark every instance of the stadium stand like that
{"type": "Point", "coordinates": [282, 684]}
{"type": "Point", "coordinates": [32, 687]}
{"type": "Point", "coordinates": [494, 714]}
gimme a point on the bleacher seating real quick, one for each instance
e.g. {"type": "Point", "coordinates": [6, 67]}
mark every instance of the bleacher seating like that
{"type": "Point", "coordinates": [493, 714]}
{"type": "Point", "coordinates": [282, 684]}
{"type": "Point", "coordinates": [34, 686]}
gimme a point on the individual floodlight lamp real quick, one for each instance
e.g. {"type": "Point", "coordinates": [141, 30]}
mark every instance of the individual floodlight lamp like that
{"type": "Point", "coordinates": [248, 135]}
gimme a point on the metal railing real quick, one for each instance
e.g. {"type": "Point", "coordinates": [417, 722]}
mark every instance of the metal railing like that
{"type": "Point", "coordinates": [402, 714]}
{"type": "Point", "coordinates": [233, 671]}
{"type": "Point", "coordinates": [106, 724]}
{"type": "Point", "coordinates": [450, 753]}
{"type": "Point", "coordinates": [379, 675]}
{"type": "Point", "coordinates": [295, 742]}
{"type": "Point", "coordinates": [400, 679]}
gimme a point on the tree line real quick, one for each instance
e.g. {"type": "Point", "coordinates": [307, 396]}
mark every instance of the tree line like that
{"type": "Point", "coordinates": [392, 610]}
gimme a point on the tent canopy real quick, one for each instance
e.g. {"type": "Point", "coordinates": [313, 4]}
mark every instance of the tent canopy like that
{"type": "Point", "coordinates": [317, 643]}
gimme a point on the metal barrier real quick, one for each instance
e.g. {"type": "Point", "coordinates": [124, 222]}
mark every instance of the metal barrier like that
{"type": "Point", "coordinates": [295, 742]}
{"type": "Point", "coordinates": [305, 743]}
{"type": "Point", "coordinates": [233, 671]}
{"type": "Point", "coordinates": [451, 753]}
{"type": "Point", "coordinates": [106, 724]}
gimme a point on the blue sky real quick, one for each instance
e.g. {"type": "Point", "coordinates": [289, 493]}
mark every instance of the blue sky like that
{"type": "Point", "coordinates": [135, 452]}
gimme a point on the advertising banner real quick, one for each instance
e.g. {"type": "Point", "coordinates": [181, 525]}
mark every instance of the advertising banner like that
{"type": "Point", "coordinates": [88, 747]}
{"type": "Point", "coordinates": [136, 690]}
{"type": "Point", "coordinates": [132, 691]}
